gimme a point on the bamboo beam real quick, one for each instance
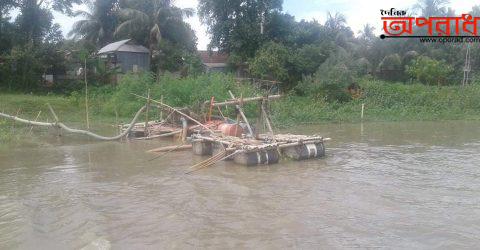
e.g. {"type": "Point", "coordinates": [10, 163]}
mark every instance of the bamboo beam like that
{"type": "Point", "coordinates": [146, 113]}
{"type": "Point", "coordinates": [170, 148]}
{"type": "Point", "coordinates": [237, 101]}
{"type": "Point", "coordinates": [159, 136]}
{"type": "Point", "coordinates": [175, 110]}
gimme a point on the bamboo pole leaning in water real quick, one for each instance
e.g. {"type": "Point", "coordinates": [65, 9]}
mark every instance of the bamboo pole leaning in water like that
{"type": "Point", "coordinates": [168, 148]}
{"type": "Point", "coordinates": [171, 149]}
{"type": "Point", "coordinates": [58, 124]}
{"type": "Point", "coordinates": [363, 109]}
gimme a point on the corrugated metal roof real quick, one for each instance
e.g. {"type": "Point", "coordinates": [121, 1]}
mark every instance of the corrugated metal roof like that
{"type": "Point", "coordinates": [123, 46]}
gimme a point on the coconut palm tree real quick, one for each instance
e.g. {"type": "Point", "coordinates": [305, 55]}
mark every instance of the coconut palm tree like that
{"type": "Point", "coordinates": [430, 8]}
{"type": "Point", "coordinates": [145, 20]}
{"type": "Point", "coordinates": [98, 25]}
{"type": "Point", "coordinates": [160, 26]}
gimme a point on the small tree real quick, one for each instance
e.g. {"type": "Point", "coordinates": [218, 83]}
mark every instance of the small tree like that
{"type": "Point", "coordinates": [270, 62]}
{"type": "Point", "coordinates": [429, 71]}
{"type": "Point", "coordinates": [331, 79]}
{"type": "Point", "coordinates": [390, 68]}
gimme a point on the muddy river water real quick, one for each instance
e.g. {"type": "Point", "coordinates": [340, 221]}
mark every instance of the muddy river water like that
{"type": "Point", "coordinates": [388, 185]}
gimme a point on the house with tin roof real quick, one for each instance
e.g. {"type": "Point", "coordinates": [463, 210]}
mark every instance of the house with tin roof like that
{"type": "Point", "coordinates": [126, 55]}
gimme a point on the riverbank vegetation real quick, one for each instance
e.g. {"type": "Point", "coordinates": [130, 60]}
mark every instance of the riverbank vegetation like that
{"type": "Point", "coordinates": [384, 101]}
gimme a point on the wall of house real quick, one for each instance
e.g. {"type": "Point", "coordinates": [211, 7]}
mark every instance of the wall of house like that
{"type": "Point", "coordinates": [129, 61]}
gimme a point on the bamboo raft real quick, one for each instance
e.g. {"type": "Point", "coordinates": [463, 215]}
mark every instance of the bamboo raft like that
{"type": "Point", "coordinates": [251, 152]}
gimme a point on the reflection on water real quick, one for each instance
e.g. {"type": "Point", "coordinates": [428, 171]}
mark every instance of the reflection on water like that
{"type": "Point", "coordinates": [403, 185]}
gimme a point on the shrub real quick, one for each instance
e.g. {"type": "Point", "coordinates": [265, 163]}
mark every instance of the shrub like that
{"type": "Point", "coordinates": [270, 62]}
{"type": "Point", "coordinates": [429, 71]}
{"type": "Point", "coordinates": [331, 79]}
{"type": "Point", "coordinates": [391, 68]}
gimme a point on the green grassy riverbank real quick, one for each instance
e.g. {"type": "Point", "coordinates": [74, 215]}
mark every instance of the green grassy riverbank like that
{"type": "Point", "coordinates": [383, 102]}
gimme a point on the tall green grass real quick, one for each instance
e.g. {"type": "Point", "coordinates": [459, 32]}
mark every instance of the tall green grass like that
{"type": "Point", "coordinates": [189, 92]}
{"type": "Point", "coordinates": [385, 102]}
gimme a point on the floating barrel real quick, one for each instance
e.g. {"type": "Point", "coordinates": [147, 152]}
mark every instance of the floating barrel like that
{"type": "Point", "coordinates": [231, 129]}
{"type": "Point", "coordinates": [202, 147]}
{"type": "Point", "coordinates": [257, 158]}
{"type": "Point", "coordinates": [305, 151]}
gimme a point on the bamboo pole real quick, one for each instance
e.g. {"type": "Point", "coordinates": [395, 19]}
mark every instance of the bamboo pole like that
{"type": "Point", "coordinates": [169, 149]}
{"type": "Point", "coordinates": [267, 120]}
{"type": "Point", "coordinates": [209, 162]}
{"type": "Point", "coordinates": [159, 136]}
{"type": "Point", "coordinates": [363, 109]}
{"type": "Point", "coordinates": [146, 113]}
{"type": "Point", "coordinates": [210, 109]}
{"type": "Point", "coordinates": [176, 110]}
{"type": "Point", "coordinates": [36, 118]}
{"type": "Point", "coordinates": [242, 114]}
{"type": "Point", "coordinates": [86, 95]}
{"type": "Point", "coordinates": [184, 129]}
{"type": "Point", "coordinates": [237, 101]}
{"type": "Point", "coordinates": [161, 110]}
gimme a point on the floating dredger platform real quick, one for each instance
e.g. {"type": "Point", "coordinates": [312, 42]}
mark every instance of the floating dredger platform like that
{"type": "Point", "coordinates": [250, 147]}
{"type": "Point", "coordinates": [236, 140]}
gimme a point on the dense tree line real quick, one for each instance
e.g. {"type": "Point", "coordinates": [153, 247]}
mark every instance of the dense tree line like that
{"type": "Point", "coordinates": [307, 56]}
{"type": "Point", "coordinates": [312, 57]}
{"type": "Point", "coordinates": [32, 45]}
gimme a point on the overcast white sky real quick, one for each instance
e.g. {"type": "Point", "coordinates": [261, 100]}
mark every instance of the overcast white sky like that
{"type": "Point", "coordinates": [358, 12]}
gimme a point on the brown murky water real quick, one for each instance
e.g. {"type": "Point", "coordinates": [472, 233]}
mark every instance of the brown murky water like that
{"type": "Point", "coordinates": [394, 185]}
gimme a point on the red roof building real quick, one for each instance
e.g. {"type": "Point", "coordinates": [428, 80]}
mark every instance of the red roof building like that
{"type": "Point", "coordinates": [214, 61]}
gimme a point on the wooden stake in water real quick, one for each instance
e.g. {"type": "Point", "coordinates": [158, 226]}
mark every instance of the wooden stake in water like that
{"type": "Point", "coordinates": [363, 109]}
{"type": "Point", "coordinates": [146, 113]}
{"type": "Point", "coordinates": [86, 95]}
{"type": "Point", "coordinates": [161, 110]}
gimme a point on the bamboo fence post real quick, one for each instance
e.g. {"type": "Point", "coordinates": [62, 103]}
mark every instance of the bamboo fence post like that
{"type": "Point", "coordinates": [161, 110]}
{"type": "Point", "coordinates": [363, 109]}
{"type": "Point", "coordinates": [259, 119]}
{"type": "Point", "coordinates": [184, 129]}
{"type": "Point", "coordinates": [116, 121]}
{"type": "Point", "coordinates": [86, 95]}
{"type": "Point", "coordinates": [146, 113]}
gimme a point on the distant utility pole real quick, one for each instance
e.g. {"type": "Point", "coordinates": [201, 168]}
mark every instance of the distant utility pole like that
{"type": "Point", "coordinates": [467, 68]}
{"type": "Point", "coordinates": [262, 23]}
